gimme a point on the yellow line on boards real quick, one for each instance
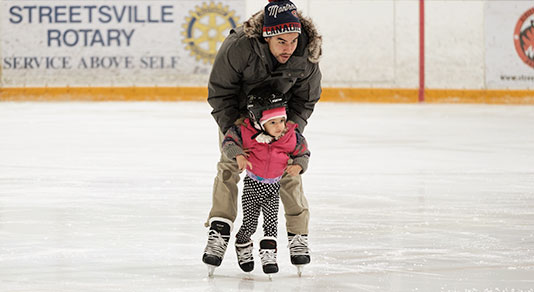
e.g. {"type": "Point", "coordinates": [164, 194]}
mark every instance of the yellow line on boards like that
{"type": "Point", "coordinates": [371, 95]}
{"type": "Point", "coordinates": [104, 94]}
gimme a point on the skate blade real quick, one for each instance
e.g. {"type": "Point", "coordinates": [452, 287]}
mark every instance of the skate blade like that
{"type": "Point", "coordinates": [211, 270]}
{"type": "Point", "coordinates": [248, 276]}
{"type": "Point", "coordinates": [300, 269]}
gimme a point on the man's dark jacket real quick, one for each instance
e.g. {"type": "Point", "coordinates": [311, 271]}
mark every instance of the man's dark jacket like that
{"type": "Point", "coordinates": [244, 62]}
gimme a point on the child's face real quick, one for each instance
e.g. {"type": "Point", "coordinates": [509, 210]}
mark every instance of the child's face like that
{"type": "Point", "coordinates": [275, 127]}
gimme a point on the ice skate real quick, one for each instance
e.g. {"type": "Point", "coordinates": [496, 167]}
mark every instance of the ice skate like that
{"type": "Point", "coordinates": [218, 237]}
{"type": "Point", "coordinates": [268, 255]}
{"type": "Point", "coordinates": [244, 256]}
{"type": "Point", "coordinates": [299, 251]}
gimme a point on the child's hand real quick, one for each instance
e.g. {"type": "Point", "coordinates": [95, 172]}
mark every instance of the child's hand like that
{"type": "Point", "coordinates": [242, 162]}
{"type": "Point", "coordinates": [293, 169]}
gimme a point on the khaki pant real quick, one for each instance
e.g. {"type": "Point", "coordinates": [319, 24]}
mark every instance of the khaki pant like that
{"type": "Point", "coordinates": [224, 202]}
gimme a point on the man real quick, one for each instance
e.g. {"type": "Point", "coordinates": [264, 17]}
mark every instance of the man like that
{"type": "Point", "coordinates": [276, 47]}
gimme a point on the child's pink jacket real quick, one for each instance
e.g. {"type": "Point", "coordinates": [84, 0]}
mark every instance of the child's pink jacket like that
{"type": "Point", "coordinates": [268, 160]}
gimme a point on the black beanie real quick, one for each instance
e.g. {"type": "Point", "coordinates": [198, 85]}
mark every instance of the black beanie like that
{"type": "Point", "coordinates": [280, 17]}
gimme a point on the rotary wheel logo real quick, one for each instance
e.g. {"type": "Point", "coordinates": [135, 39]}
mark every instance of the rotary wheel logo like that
{"type": "Point", "coordinates": [524, 37]}
{"type": "Point", "coordinates": [206, 29]}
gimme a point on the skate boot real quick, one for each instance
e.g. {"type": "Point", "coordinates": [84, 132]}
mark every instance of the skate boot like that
{"type": "Point", "coordinates": [268, 255]}
{"type": "Point", "coordinates": [244, 256]}
{"type": "Point", "coordinates": [218, 237]}
{"type": "Point", "coordinates": [299, 251]}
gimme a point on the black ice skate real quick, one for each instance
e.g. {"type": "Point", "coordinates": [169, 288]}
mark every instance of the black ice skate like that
{"type": "Point", "coordinates": [218, 237]}
{"type": "Point", "coordinates": [244, 256]}
{"type": "Point", "coordinates": [299, 251]}
{"type": "Point", "coordinates": [268, 255]}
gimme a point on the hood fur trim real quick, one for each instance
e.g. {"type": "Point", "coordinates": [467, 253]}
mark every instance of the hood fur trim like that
{"type": "Point", "coordinates": [253, 28]}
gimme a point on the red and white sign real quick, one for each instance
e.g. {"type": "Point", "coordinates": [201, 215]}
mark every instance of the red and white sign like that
{"type": "Point", "coordinates": [509, 47]}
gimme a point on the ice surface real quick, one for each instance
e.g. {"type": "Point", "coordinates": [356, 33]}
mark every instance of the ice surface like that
{"type": "Point", "coordinates": [113, 197]}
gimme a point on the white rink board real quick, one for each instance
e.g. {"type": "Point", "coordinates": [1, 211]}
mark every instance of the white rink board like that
{"type": "Point", "coordinates": [371, 44]}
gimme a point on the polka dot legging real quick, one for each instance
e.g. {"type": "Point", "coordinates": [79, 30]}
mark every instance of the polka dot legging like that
{"type": "Point", "coordinates": [258, 197]}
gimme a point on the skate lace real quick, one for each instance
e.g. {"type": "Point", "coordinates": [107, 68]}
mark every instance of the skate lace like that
{"type": "Point", "coordinates": [216, 244]}
{"type": "Point", "coordinates": [244, 254]}
{"type": "Point", "coordinates": [298, 245]}
{"type": "Point", "coordinates": [268, 256]}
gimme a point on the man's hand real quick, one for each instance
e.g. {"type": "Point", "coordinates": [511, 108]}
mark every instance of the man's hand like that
{"type": "Point", "coordinates": [293, 169]}
{"type": "Point", "coordinates": [242, 162]}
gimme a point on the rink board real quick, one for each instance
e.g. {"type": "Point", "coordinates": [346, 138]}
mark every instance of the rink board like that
{"type": "Point", "coordinates": [374, 95]}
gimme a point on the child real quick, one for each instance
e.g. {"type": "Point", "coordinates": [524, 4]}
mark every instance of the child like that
{"type": "Point", "coordinates": [262, 144]}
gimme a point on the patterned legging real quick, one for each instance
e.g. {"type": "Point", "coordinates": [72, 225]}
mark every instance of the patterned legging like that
{"type": "Point", "coordinates": [258, 197]}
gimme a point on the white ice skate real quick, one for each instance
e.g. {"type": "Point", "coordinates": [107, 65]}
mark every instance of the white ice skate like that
{"type": "Point", "coordinates": [218, 237]}
{"type": "Point", "coordinates": [268, 255]}
{"type": "Point", "coordinates": [299, 252]}
{"type": "Point", "coordinates": [245, 258]}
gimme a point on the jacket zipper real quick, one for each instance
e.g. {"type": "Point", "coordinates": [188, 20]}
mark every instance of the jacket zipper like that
{"type": "Point", "coordinates": [268, 160]}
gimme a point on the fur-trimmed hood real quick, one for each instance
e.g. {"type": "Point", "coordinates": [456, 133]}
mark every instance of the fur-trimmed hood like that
{"type": "Point", "coordinates": [253, 28]}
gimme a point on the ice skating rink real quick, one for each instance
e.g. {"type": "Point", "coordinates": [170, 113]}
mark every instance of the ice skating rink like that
{"type": "Point", "coordinates": [113, 197]}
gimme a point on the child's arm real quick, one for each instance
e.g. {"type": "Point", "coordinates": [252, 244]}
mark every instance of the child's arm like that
{"type": "Point", "coordinates": [232, 147]}
{"type": "Point", "coordinates": [300, 155]}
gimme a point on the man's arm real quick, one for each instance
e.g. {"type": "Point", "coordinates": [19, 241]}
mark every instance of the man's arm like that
{"type": "Point", "coordinates": [232, 144]}
{"type": "Point", "coordinates": [304, 95]}
{"type": "Point", "coordinates": [225, 82]}
{"type": "Point", "coordinates": [301, 153]}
